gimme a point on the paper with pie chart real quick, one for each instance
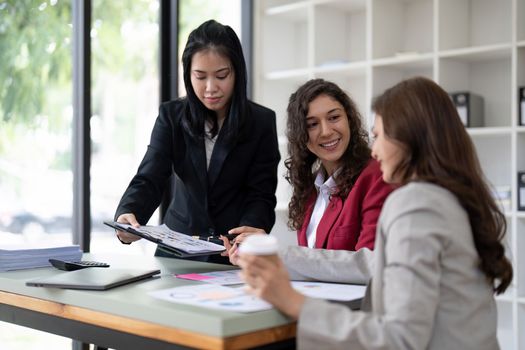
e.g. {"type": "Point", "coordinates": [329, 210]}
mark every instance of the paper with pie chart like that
{"type": "Point", "coordinates": [223, 278]}
{"type": "Point", "coordinates": [213, 296]}
{"type": "Point", "coordinates": [221, 297]}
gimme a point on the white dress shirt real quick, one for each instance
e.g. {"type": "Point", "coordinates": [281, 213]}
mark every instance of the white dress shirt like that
{"type": "Point", "coordinates": [209, 142]}
{"type": "Point", "coordinates": [324, 190]}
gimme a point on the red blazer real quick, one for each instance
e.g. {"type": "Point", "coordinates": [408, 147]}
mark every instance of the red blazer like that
{"type": "Point", "coordinates": [350, 225]}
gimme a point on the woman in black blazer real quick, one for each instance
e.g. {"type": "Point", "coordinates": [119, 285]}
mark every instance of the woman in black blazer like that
{"type": "Point", "coordinates": [221, 148]}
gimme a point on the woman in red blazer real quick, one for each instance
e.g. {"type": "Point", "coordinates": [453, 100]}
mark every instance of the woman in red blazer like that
{"type": "Point", "coordinates": [338, 190]}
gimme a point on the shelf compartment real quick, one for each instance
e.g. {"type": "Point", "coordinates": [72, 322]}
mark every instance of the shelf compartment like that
{"type": "Point", "coordinates": [345, 21]}
{"type": "Point", "coordinates": [467, 23]}
{"type": "Point", "coordinates": [520, 157]}
{"type": "Point", "coordinates": [494, 155]}
{"type": "Point", "coordinates": [275, 94]}
{"type": "Point", "coordinates": [285, 30]}
{"type": "Point", "coordinates": [385, 76]}
{"type": "Point", "coordinates": [487, 74]}
{"type": "Point", "coordinates": [402, 26]}
{"type": "Point", "coordinates": [520, 13]}
{"type": "Point", "coordinates": [521, 323]}
{"type": "Point", "coordinates": [505, 325]}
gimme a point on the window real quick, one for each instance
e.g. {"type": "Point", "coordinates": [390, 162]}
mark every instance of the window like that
{"type": "Point", "coordinates": [35, 136]}
{"type": "Point", "coordinates": [35, 122]}
{"type": "Point", "coordinates": [125, 101]}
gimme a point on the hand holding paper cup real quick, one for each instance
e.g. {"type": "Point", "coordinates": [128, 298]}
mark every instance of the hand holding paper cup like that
{"type": "Point", "coordinates": [260, 245]}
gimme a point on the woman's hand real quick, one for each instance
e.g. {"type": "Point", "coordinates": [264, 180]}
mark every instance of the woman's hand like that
{"type": "Point", "coordinates": [126, 237]}
{"type": "Point", "coordinates": [268, 279]}
{"type": "Point", "coordinates": [231, 250]}
{"type": "Point", "coordinates": [242, 232]}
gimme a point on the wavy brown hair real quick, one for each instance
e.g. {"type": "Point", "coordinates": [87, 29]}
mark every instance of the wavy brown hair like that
{"type": "Point", "coordinates": [301, 165]}
{"type": "Point", "coordinates": [420, 116]}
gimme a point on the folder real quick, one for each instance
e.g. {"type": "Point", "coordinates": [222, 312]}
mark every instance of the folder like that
{"type": "Point", "coordinates": [179, 244]}
{"type": "Point", "coordinates": [521, 107]}
{"type": "Point", "coordinates": [470, 108]}
{"type": "Point", "coordinates": [521, 190]}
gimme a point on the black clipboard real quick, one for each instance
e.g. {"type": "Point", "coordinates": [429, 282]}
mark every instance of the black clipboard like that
{"type": "Point", "coordinates": [177, 251]}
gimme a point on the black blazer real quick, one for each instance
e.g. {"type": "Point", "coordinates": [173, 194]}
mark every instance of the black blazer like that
{"type": "Point", "coordinates": [237, 189]}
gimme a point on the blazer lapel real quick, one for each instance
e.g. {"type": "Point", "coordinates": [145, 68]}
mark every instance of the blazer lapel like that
{"type": "Point", "coordinates": [301, 234]}
{"type": "Point", "coordinates": [330, 215]}
{"type": "Point", "coordinates": [197, 153]}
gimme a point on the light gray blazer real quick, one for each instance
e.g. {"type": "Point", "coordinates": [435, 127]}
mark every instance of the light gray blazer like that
{"type": "Point", "coordinates": [427, 290]}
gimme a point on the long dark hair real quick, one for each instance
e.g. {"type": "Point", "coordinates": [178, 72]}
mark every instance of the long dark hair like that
{"type": "Point", "coordinates": [212, 35]}
{"type": "Point", "coordinates": [300, 164]}
{"type": "Point", "coordinates": [420, 116]}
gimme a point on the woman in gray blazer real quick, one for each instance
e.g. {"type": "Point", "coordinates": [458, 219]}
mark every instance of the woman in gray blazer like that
{"type": "Point", "coordinates": [438, 259]}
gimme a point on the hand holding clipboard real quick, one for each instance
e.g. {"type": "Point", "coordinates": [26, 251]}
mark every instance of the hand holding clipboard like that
{"type": "Point", "coordinates": [180, 244]}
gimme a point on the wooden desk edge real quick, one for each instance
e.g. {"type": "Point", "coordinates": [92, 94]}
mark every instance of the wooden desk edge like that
{"type": "Point", "coordinates": [149, 330]}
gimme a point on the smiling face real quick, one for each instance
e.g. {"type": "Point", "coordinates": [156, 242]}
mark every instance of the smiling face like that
{"type": "Point", "coordinates": [328, 131]}
{"type": "Point", "coordinates": [387, 152]}
{"type": "Point", "coordinates": [213, 80]}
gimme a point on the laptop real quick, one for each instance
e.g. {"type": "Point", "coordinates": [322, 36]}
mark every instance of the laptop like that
{"type": "Point", "coordinates": [93, 278]}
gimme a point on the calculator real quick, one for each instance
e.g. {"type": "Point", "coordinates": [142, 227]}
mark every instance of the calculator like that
{"type": "Point", "coordinates": [75, 265]}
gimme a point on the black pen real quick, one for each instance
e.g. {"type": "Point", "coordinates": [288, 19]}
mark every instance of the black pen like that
{"type": "Point", "coordinates": [215, 239]}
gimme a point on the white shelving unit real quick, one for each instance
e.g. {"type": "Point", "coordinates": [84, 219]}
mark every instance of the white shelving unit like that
{"type": "Point", "coordinates": [366, 46]}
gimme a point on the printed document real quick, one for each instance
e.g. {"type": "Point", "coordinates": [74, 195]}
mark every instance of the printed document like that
{"type": "Point", "coordinates": [216, 296]}
{"type": "Point", "coordinates": [180, 243]}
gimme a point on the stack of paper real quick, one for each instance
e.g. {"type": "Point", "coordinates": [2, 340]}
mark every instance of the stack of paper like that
{"type": "Point", "coordinates": [216, 295]}
{"type": "Point", "coordinates": [16, 258]}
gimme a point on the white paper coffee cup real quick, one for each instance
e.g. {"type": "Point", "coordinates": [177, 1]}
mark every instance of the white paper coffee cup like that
{"type": "Point", "coordinates": [264, 245]}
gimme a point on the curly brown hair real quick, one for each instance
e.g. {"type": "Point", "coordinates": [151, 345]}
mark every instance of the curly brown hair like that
{"type": "Point", "coordinates": [301, 165]}
{"type": "Point", "coordinates": [419, 114]}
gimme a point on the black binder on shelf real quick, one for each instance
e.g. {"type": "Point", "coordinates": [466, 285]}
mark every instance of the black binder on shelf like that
{"type": "Point", "coordinates": [470, 108]}
{"type": "Point", "coordinates": [521, 106]}
{"type": "Point", "coordinates": [521, 190]}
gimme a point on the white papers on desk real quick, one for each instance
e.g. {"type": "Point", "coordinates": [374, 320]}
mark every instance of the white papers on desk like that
{"type": "Point", "coordinates": [214, 297]}
{"type": "Point", "coordinates": [330, 291]}
{"type": "Point", "coordinates": [237, 299]}
{"type": "Point", "coordinates": [313, 289]}
{"type": "Point", "coordinates": [223, 278]}
{"type": "Point", "coordinates": [24, 257]}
